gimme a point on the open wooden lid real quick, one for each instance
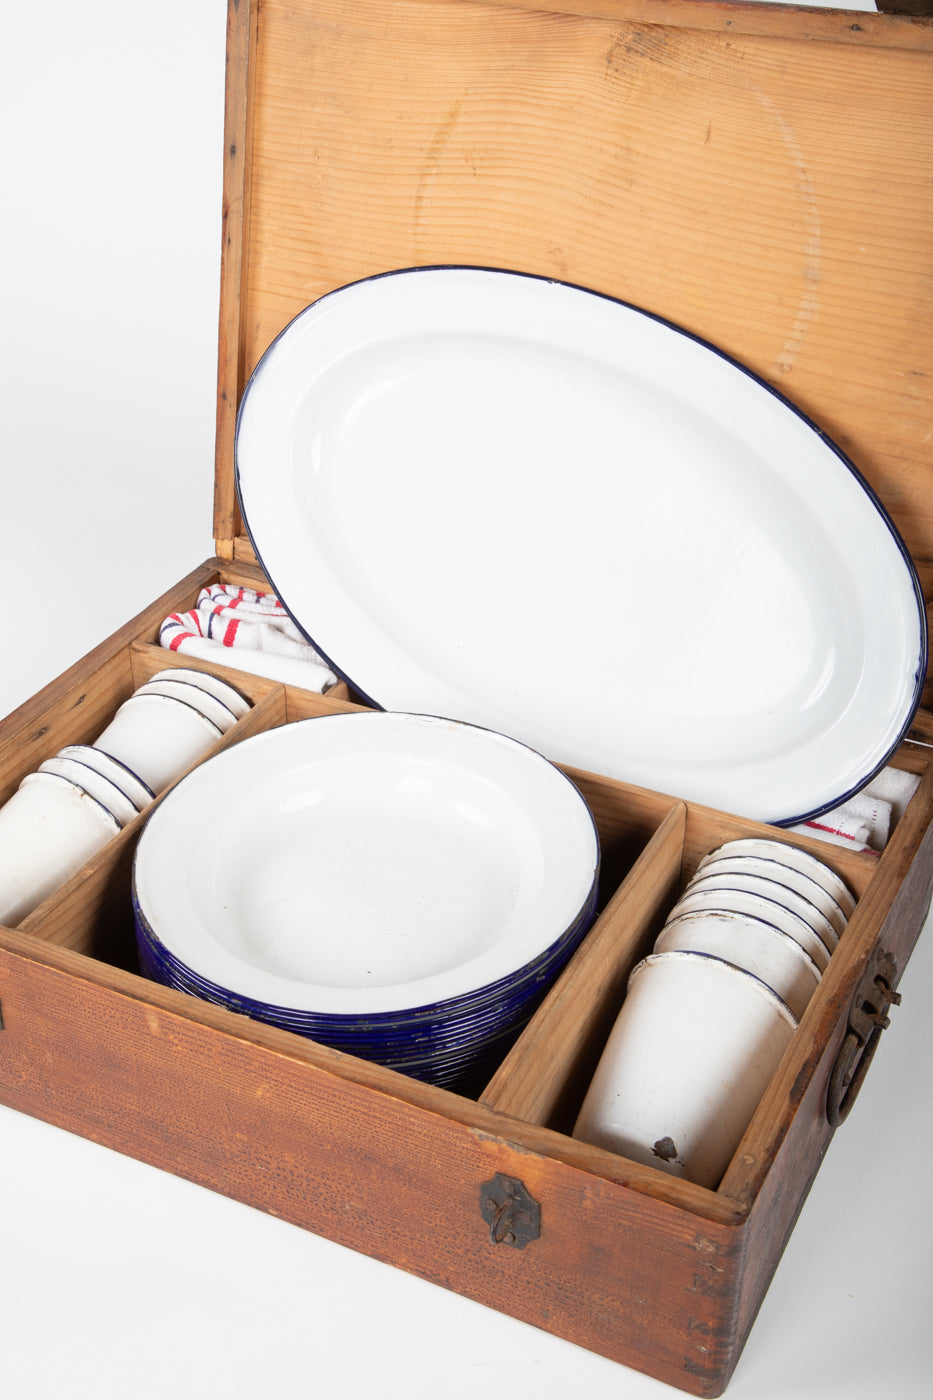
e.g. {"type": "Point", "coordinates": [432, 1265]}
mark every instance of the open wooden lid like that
{"type": "Point", "coordinates": [761, 176]}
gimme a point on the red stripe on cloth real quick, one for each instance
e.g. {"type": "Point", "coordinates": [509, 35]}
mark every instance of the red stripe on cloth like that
{"type": "Point", "coordinates": [859, 846]}
{"type": "Point", "coordinates": [173, 623]}
{"type": "Point", "coordinates": [229, 636]}
{"type": "Point", "coordinates": [833, 831]}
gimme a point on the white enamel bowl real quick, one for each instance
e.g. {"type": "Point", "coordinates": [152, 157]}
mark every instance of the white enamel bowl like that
{"type": "Point", "coordinates": [158, 737]}
{"type": "Point", "coordinates": [217, 711]}
{"type": "Point", "coordinates": [49, 828]}
{"type": "Point", "coordinates": [221, 690]}
{"type": "Point", "coordinates": [113, 798]}
{"type": "Point", "coordinates": [129, 783]}
{"type": "Point", "coordinates": [769, 889]}
{"type": "Point", "coordinates": [784, 877]}
{"type": "Point", "coordinates": [786, 855]}
{"type": "Point", "coordinates": [688, 1059]}
{"type": "Point", "coordinates": [751, 944]}
{"type": "Point", "coordinates": [767, 910]}
{"type": "Point", "coordinates": [365, 864]}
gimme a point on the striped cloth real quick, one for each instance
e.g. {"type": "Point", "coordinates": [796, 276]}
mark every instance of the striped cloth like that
{"type": "Point", "coordinates": [250, 631]}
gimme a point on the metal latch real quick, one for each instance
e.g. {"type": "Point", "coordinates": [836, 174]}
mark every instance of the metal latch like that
{"type": "Point", "coordinates": [513, 1216]}
{"type": "Point", "coordinates": [868, 1017]}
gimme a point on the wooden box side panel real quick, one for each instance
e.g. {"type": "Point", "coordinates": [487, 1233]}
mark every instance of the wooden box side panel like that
{"type": "Point", "coordinates": [807, 1132]}
{"type": "Point", "coordinates": [768, 193]}
{"type": "Point", "coordinates": [890, 915]}
{"type": "Point", "coordinates": [635, 1279]}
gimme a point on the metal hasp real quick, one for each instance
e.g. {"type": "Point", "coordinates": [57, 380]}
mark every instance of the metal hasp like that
{"type": "Point", "coordinates": [512, 1215]}
{"type": "Point", "coordinates": [867, 1019]}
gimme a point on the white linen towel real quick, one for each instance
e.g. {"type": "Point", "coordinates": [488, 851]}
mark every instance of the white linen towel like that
{"type": "Point", "coordinates": [250, 631]}
{"type": "Point", "coordinates": [865, 821]}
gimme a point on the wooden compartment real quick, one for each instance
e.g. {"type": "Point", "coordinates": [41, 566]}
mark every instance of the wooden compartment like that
{"type": "Point", "coordinates": [724, 166]}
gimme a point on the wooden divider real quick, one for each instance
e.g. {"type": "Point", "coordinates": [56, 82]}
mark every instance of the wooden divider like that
{"type": "Point", "coordinates": [543, 1077]}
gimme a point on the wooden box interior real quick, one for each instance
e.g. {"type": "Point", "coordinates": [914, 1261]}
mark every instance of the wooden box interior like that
{"type": "Point", "coordinates": [758, 176]}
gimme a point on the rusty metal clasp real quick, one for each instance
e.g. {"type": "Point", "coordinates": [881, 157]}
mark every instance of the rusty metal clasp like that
{"type": "Point", "coordinates": [868, 1017]}
{"type": "Point", "coordinates": [513, 1216]}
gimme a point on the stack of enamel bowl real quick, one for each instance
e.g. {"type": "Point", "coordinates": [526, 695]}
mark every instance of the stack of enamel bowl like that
{"type": "Point", "coordinates": [57, 819]}
{"type": "Point", "coordinates": [170, 722]}
{"type": "Point", "coordinates": [78, 800]}
{"type": "Point", "coordinates": [400, 887]}
{"type": "Point", "coordinates": [771, 909]}
{"type": "Point", "coordinates": [708, 1015]}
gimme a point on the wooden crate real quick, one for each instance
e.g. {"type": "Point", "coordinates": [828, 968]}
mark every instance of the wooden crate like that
{"type": "Point", "coordinates": [583, 166]}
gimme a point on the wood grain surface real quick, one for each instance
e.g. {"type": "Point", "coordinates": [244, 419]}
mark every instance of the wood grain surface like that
{"type": "Point", "coordinates": [761, 178]}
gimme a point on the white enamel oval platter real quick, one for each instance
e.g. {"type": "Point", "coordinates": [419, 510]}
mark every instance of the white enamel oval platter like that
{"type": "Point", "coordinates": [511, 501]}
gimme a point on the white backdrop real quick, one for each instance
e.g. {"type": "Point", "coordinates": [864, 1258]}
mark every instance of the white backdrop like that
{"type": "Point", "coordinates": [116, 1279]}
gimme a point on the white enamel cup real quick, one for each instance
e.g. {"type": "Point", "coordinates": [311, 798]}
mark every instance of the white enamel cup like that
{"type": "Point", "coordinates": [139, 793]}
{"type": "Point", "coordinates": [213, 709]}
{"type": "Point", "coordinates": [784, 876]}
{"type": "Point", "coordinates": [702, 901]}
{"type": "Point", "coordinates": [779, 894]}
{"type": "Point", "coordinates": [749, 943]}
{"type": "Point", "coordinates": [785, 854]}
{"type": "Point", "coordinates": [48, 829]}
{"type": "Point", "coordinates": [93, 783]}
{"type": "Point", "coordinates": [221, 690]}
{"type": "Point", "coordinates": [690, 1055]}
{"type": "Point", "coordinates": [158, 737]}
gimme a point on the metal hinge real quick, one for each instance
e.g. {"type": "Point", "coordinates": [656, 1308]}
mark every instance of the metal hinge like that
{"type": "Point", "coordinates": [868, 1017]}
